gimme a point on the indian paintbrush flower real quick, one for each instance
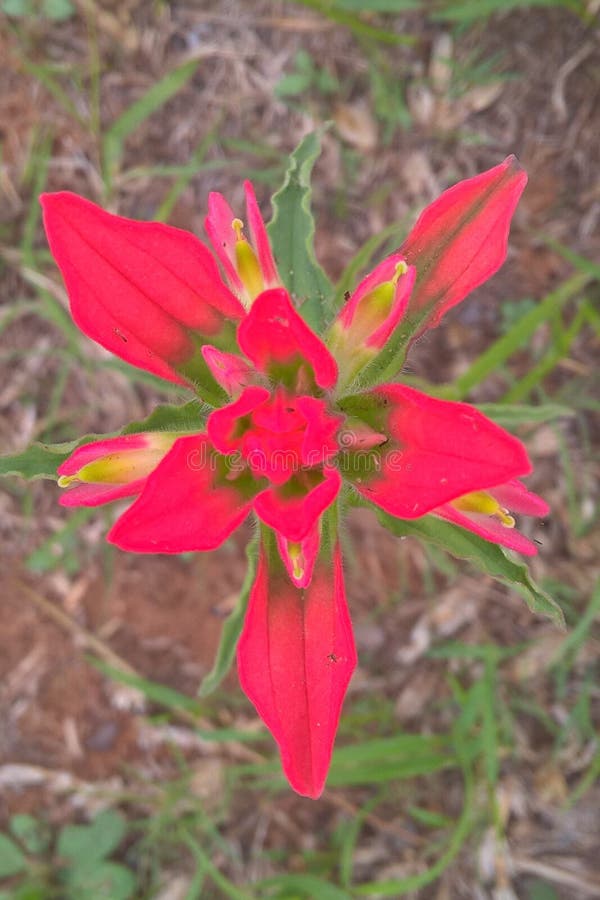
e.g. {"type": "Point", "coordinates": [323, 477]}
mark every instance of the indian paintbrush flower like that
{"type": "Point", "coordinates": [294, 418]}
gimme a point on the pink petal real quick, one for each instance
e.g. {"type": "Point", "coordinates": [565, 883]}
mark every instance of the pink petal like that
{"type": "Point", "coordinates": [224, 428]}
{"type": "Point", "coordinates": [488, 528]}
{"type": "Point", "coordinates": [95, 449]}
{"type": "Point", "coordinates": [275, 337]}
{"type": "Point", "coordinates": [460, 240]}
{"type": "Point", "coordinates": [515, 497]}
{"type": "Point", "coordinates": [296, 656]}
{"type": "Point", "coordinates": [438, 450]}
{"type": "Point", "coordinates": [260, 238]}
{"type": "Point", "coordinates": [137, 288]}
{"type": "Point", "coordinates": [218, 225]}
{"type": "Point", "coordinates": [97, 494]}
{"type": "Point", "coordinates": [299, 557]}
{"type": "Point", "coordinates": [294, 508]}
{"type": "Point", "coordinates": [230, 371]}
{"type": "Point", "coordinates": [187, 503]}
{"type": "Point", "coordinates": [385, 271]}
{"type": "Point", "coordinates": [320, 443]}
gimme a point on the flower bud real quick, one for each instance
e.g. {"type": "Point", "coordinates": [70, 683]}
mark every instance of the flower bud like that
{"type": "Point", "coordinates": [371, 315]}
{"type": "Point", "coordinates": [108, 470]}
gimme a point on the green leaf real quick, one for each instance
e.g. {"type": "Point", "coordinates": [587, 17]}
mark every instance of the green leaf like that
{"type": "Point", "coordinates": [138, 112]}
{"type": "Point", "coordinates": [152, 690]}
{"type": "Point", "coordinates": [488, 557]}
{"type": "Point", "coordinates": [106, 881]}
{"type": "Point", "coordinates": [232, 628]}
{"type": "Point", "coordinates": [512, 415]}
{"type": "Point", "coordinates": [33, 835]}
{"type": "Point", "coordinates": [58, 10]}
{"type": "Point", "coordinates": [167, 417]}
{"type": "Point", "coordinates": [40, 460]}
{"type": "Point", "coordinates": [293, 84]}
{"type": "Point", "coordinates": [292, 231]}
{"type": "Point", "coordinates": [12, 860]}
{"type": "Point", "coordinates": [85, 845]}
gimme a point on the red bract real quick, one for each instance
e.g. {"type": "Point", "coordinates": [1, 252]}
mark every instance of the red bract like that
{"type": "Point", "coordinates": [291, 420]}
{"type": "Point", "coordinates": [460, 240]}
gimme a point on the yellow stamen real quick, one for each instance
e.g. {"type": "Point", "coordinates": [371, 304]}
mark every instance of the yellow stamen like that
{"type": "Point", "coordinates": [238, 227]}
{"type": "Point", "coordinates": [401, 269]}
{"type": "Point", "coordinates": [296, 559]}
{"type": "Point", "coordinates": [484, 503]}
{"type": "Point", "coordinates": [247, 264]}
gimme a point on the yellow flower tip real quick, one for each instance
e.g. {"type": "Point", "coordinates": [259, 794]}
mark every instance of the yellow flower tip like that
{"type": "Point", "coordinates": [65, 480]}
{"type": "Point", "coordinates": [238, 227]}
{"type": "Point", "coordinates": [248, 266]}
{"type": "Point", "coordinates": [401, 269]}
{"type": "Point", "coordinates": [483, 503]}
{"type": "Point", "coordinates": [296, 558]}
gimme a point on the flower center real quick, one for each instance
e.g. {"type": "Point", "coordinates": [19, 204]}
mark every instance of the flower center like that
{"type": "Point", "coordinates": [484, 503]}
{"type": "Point", "coordinates": [278, 436]}
{"type": "Point", "coordinates": [247, 264]}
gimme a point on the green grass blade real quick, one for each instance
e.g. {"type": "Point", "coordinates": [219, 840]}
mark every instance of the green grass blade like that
{"type": "Point", "coordinates": [360, 261]}
{"type": "Point", "coordinates": [575, 639]}
{"type": "Point", "coordinates": [300, 886]}
{"type": "Point", "coordinates": [549, 361]}
{"type": "Point", "coordinates": [138, 112]}
{"type": "Point", "coordinates": [355, 23]}
{"type": "Point", "coordinates": [521, 331]}
{"type": "Point", "coordinates": [459, 834]}
{"type": "Point", "coordinates": [183, 179]}
{"type": "Point", "coordinates": [232, 627]}
{"type": "Point", "coordinates": [513, 415]}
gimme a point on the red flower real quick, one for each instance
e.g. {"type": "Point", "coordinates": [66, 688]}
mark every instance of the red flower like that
{"type": "Point", "coordinates": [283, 433]}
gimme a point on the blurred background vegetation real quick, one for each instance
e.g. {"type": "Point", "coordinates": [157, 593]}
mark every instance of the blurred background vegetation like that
{"type": "Point", "coordinates": [468, 754]}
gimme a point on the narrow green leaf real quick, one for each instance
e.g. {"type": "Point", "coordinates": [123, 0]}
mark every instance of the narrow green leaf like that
{"type": "Point", "coordinates": [512, 415]}
{"type": "Point", "coordinates": [353, 21]}
{"type": "Point", "coordinates": [488, 557]}
{"type": "Point", "coordinates": [301, 886]}
{"type": "Point", "coordinates": [478, 10]}
{"type": "Point", "coordinates": [458, 835]}
{"type": "Point", "coordinates": [232, 628]}
{"type": "Point", "coordinates": [138, 112]}
{"type": "Point", "coordinates": [152, 690]}
{"type": "Point", "coordinates": [576, 638]}
{"type": "Point", "coordinates": [378, 6]}
{"type": "Point", "coordinates": [12, 860]}
{"type": "Point", "coordinates": [387, 759]}
{"type": "Point", "coordinates": [581, 263]}
{"type": "Point", "coordinates": [292, 231]}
